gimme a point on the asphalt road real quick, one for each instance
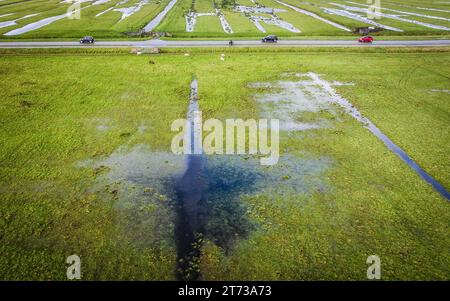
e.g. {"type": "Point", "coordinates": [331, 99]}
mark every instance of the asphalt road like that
{"type": "Point", "coordinates": [240, 43]}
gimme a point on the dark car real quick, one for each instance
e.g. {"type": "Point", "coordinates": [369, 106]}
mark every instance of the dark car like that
{"type": "Point", "coordinates": [270, 39]}
{"type": "Point", "coordinates": [87, 40]}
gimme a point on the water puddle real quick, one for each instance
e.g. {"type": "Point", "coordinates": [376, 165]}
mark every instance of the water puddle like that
{"type": "Point", "coordinates": [440, 91]}
{"type": "Point", "coordinates": [111, 8]}
{"type": "Point", "coordinates": [277, 22]}
{"type": "Point", "coordinates": [403, 12]}
{"type": "Point", "coordinates": [257, 9]}
{"type": "Point", "coordinates": [6, 15]}
{"type": "Point", "coordinates": [255, 22]}
{"type": "Point", "coordinates": [169, 199]}
{"type": "Point", "coordinates": [347, 14]}
{"type": "Point", "coordinates": [291, 102]}
{"type": "Point", "coordinates": [288, 100]}
{"type": "Point", "coordinates": [197, 197]}
{"type": "Point", "coordinates": [333, 97]}
{"type": "Point", "coordinates": [72, 1]}
{"type": "Point", "coordinates": [390, 16]}
{"type": "Point", "coordinates": [313, 15]}
{"type": "Point", "coordinates": [41, 23]}
{"type": "Point", "coordinates": [101, 124]}
{"type": "Point", "coordinates": [191, 19]}
{"type": "Point", "coordinates": [225, 25]}
{"type": "Point", "coordinates": [129, 11]}
{"type": "Point", "coordinates": [14, 22]}
{"type": "Point", "coordinates": [99, 2]}
{"type": "Point", "coordinates": [422, 8]}
{"type": "Point", "coordinates": [272, 19]}
{"type": "Point", "coordinates": [434, 9]}
{"type": "Point", "coordinates": [155, 22]}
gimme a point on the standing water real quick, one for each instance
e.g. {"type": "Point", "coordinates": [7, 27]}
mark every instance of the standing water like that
{"type": "Point", "coordinates": [352, 111]}
{"type": "Point", "coordinates": [190, 191]}
{"type": "Point", "coordinates": [208, 194]}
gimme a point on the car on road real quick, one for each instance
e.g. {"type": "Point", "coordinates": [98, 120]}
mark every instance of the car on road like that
{"type": "Point", "coordinates": [366, 39]}
{"type": "Point", "coordinates": [270, 39]}
{"type": "Point", "coordinates": [87, 40]}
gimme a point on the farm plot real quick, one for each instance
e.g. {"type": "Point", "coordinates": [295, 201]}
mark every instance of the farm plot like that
{"type": "Point", "coordinates": [99, 18]}
{"type": "Point", "coordinates": [293, 18]}
{"type": "Point", "coordinates": [307, 23]}
{"type": "Point", "coordinates": [393, 18]}
{"type": "Point", "coordinates": [216, 18]}
{"type": "Point", "coordinates": [87, 168]}
{"type": "Point", "coordinates": [203, 17]}
{"type": "Point", "coordinates": [242, 20]}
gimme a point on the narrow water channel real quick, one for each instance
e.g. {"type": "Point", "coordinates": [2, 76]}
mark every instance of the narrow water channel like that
{"type": "Point", "coordinates": [352, 111]}
{"type": "Point", "coordinates": [190, 192]}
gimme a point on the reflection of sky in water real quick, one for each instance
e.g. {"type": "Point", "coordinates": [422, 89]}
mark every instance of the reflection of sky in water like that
{"type": "Point", "coordinates": [144, 178]}
{"type": "Point", "coordinates": [286, 100]}
{"type": "Point", "coordinates": [242, 174]}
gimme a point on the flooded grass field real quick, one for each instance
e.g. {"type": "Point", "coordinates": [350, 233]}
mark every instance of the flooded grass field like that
{"type": "Point", "coordinates": [86, 166]}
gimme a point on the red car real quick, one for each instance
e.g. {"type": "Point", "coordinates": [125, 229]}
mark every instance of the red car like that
{"type": "Point", "coordinates": [367, 39]}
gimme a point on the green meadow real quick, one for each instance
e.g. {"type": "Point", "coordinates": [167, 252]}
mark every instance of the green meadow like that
{"type": "Point", "coordinates": [69, 119]}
